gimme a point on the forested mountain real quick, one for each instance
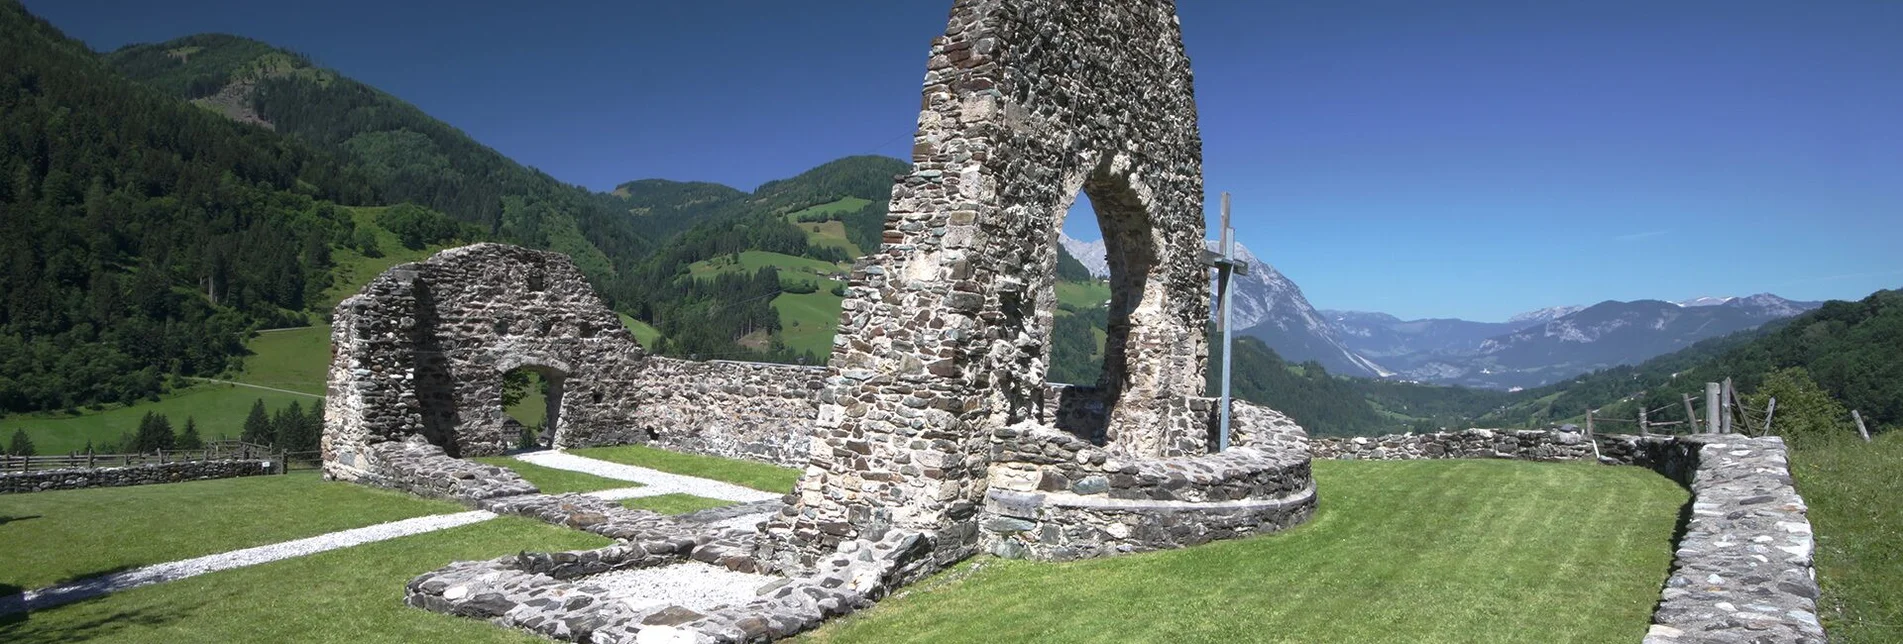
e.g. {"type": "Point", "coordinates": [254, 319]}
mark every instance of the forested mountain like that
{"type": "Point", "coordinates": [1850, 349]}
{"type": "Point", "coordinates": [399, 153]}
{"type": "Point", "coordinates": [143, 235]}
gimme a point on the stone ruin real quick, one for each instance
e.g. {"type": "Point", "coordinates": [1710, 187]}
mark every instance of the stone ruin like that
{"type": "Point", "coordinates": [931, 434]}
{"type": "Point", "coordinates": [935, 417]}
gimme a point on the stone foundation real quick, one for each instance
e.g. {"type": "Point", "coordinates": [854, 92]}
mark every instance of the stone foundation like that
{"type": "Point", "coordinates": [549, 593]}
{"type": "Point", "coordinates": [82, 478]}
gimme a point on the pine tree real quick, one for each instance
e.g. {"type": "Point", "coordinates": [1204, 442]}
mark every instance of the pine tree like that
{"type": "Point", "coordinates": [288, 426]}
{"type": "Point", "coordinates": [155, 433]}
{"type": "Point", "coordinates": [188, 438]}
{"type": "Point", "coordinates": [21, 444]}
{"type": "Point", "coordinates": [257, 426]}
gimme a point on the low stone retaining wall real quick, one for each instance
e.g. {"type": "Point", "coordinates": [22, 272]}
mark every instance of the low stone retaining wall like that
{"type": "Point", "coordinates": [418, 467]}
{"type": "Point", "coordinates": [1742, 571]}
{"type": "Point", "coordinates": [80, 478]}
{"type": "Point", "coordinates": [1058, 496]}
{"type": "Point", "coordinates": [1520, 444]}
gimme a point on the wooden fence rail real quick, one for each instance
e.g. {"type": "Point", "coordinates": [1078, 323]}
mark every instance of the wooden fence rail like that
{"type": "Point", "coordinates": [214, 451]}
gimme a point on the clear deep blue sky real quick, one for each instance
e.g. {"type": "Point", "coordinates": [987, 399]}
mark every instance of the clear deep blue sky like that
{"type": "Point", "coordinates": [1465, 159]}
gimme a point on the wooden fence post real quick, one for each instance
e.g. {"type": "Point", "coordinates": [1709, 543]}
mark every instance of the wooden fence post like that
{"type": "Point", "coordinates": [1713, 411]}
{"type": "Point", "coordinates": [1861, 431]}
{"type": "Point", "coordinates": [1770, 409]}
{"type": "Point", "coordinates": [1645, 428]}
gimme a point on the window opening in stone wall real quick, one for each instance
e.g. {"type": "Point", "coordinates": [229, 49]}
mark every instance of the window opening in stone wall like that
{"type": "Point", "coordinates": [1079, 324]}
{"type": "Point", "coordinates": [531, 402]}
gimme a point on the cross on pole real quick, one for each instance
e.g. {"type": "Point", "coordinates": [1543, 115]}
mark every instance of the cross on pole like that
{"type": "Point", "coordinates": [1224, 261]}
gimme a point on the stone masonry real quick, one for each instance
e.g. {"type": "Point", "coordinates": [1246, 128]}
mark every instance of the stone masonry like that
{"type": "Point", "coordinates": [423, 348]}
{"type": "Point", "coordinates": [945, 333]}
{"type": "Point", "coordinates": [421, 351]}
{"type": "Point", "coordinates": [82, 478]}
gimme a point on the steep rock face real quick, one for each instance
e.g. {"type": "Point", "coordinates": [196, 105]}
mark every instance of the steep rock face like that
{"type": "Point", "coordinates": [1547, 314]}
{"type": "Point", "coordinates": [1271, 307]}
{"type": "Point", "coordinates": [1379, 336]}
{"type": "Point", "coordinates": [1267, 306]}
{"type": "Point", "coordinates": [1091, 254]}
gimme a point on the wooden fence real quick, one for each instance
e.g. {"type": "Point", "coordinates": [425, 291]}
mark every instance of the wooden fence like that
{"type": "Point", "coordinates": [224, 450]}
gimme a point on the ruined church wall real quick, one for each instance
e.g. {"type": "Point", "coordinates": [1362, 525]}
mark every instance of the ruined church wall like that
{"type": "Point", "coordinates": [945, 331]}
{"type": "Point", "coordinates": [748, 410]}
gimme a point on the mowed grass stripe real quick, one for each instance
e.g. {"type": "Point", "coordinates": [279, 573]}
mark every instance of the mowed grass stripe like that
{"type": "Point", "coordinates": [1469, 551]}
{"type": "Point", "coordinates": [50, 537]}
{"type": "Point", "coordinates": [554, 481]}
{"type": "Point", "coordinates": [351, 595]}
{"type": "Point", "coordinates": [759, 476]}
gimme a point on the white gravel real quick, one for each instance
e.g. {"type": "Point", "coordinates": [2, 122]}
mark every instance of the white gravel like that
{"type": "Point", "coordinates": [656, 480]}
{"type": "Point", "coordinates": [697, 586]}
{"type": "Point", "coordinates": [743, 522]}
{"type": "Point", "coordinates": [71, 592]}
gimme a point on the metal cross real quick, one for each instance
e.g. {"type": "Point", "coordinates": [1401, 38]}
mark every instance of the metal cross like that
{"type": "Point", "coordinates": [1224, 261]}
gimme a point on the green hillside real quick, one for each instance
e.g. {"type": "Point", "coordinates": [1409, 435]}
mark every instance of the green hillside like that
{"type": "Point", "coordinates": [219, 410]}
{"type": "Point", "coordinates": [144, 235]}
{"type": "Point", "coordinates": [400, 153]}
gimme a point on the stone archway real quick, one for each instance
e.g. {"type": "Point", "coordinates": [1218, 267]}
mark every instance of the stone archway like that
{"type": "Point", "coordinates": [944, 334]}
{"type": "Point", "coordinates": [423, 348]}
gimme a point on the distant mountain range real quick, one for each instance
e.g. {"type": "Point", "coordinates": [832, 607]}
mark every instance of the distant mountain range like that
{"type": "Point", "coordinates": [1528, 350]}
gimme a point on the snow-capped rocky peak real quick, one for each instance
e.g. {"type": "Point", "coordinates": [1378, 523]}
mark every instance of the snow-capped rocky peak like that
{"type": "Point", "coordinates": [1545, 315]}
{"type": "Point", "coordinates": [1092, 254]}
{"type": "Point", "coordinates": [1706, 300]}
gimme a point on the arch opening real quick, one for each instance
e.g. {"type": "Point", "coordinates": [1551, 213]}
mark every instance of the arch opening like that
{"type": "Point", "coordinates": [531, 402]}
{"type": "Point", "coordinates": [1095, 318]}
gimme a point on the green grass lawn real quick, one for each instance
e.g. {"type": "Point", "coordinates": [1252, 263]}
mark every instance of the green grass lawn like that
{"type": "Point", "coordinates": [351, 595]}
{"type": "Point", "coordinates": [1082, 295]}
{"type": "Point", "coordinates": [675, 503]}
{"type": "Point", "coordinates": [48, 537]}
{"type": "Point", "coordinates": [829, 234]}
{"type": "Point", "coordinates": [759, 476]}
{"type": "Point", "coordinates": [554, 481]}
{"type": "Point", "coordinates": [644, 333]}
{"type": "Point", "coordinates": [847, 205]}
{"type": "Point", "coordinates": [1422, 551]}
{"type": "Point", "coordinates": [294, 359]}
{"type": "Point", "coordinates": [1853, 488]}
{"type": "Point", "coordinates": [219, 410]}
{"type": "Point", "coordinates": [355, 270]}
{"type": "Point", "coordinates": [809, 320]}
{"type": "Point", "coordinates": [791, 268]}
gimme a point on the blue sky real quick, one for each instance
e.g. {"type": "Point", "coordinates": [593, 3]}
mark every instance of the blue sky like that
{"type": "Point", "coordinates": [1443, 159]}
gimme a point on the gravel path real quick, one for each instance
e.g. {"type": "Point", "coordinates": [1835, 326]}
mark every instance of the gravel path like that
{"type": "Point", "coordinates": [660, 482]}
{"type": "Point", "coordinates": [654, 482]}
{"type": "Point", "coordinates": [71, 592]}
{"type": "Point", "coordinates": [695, 586]}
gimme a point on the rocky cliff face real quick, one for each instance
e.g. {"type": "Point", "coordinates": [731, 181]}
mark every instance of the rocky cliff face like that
{"type": "Point", "coordinates": [1268, 306]}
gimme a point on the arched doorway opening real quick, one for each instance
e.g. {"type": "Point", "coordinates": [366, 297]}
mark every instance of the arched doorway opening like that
{"type": "Point", "coordinates": [531, 401]}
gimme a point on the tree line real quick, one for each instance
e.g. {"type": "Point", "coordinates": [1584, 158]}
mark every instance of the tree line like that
{"type": "Point", "coordinates": [144, 235]}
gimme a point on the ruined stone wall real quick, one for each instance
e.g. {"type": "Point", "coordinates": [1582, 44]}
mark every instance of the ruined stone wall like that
{"type": "Point", "coordinates": [82, 478]}
{"type": "Point", "coordinates": [945, 331]}
{"type": "Point", "coordinates": [748, 410]}
{"type": "Point", "coordinates": [1521, 444]}
{"type": "Point", "coordinates": [423, 349]}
